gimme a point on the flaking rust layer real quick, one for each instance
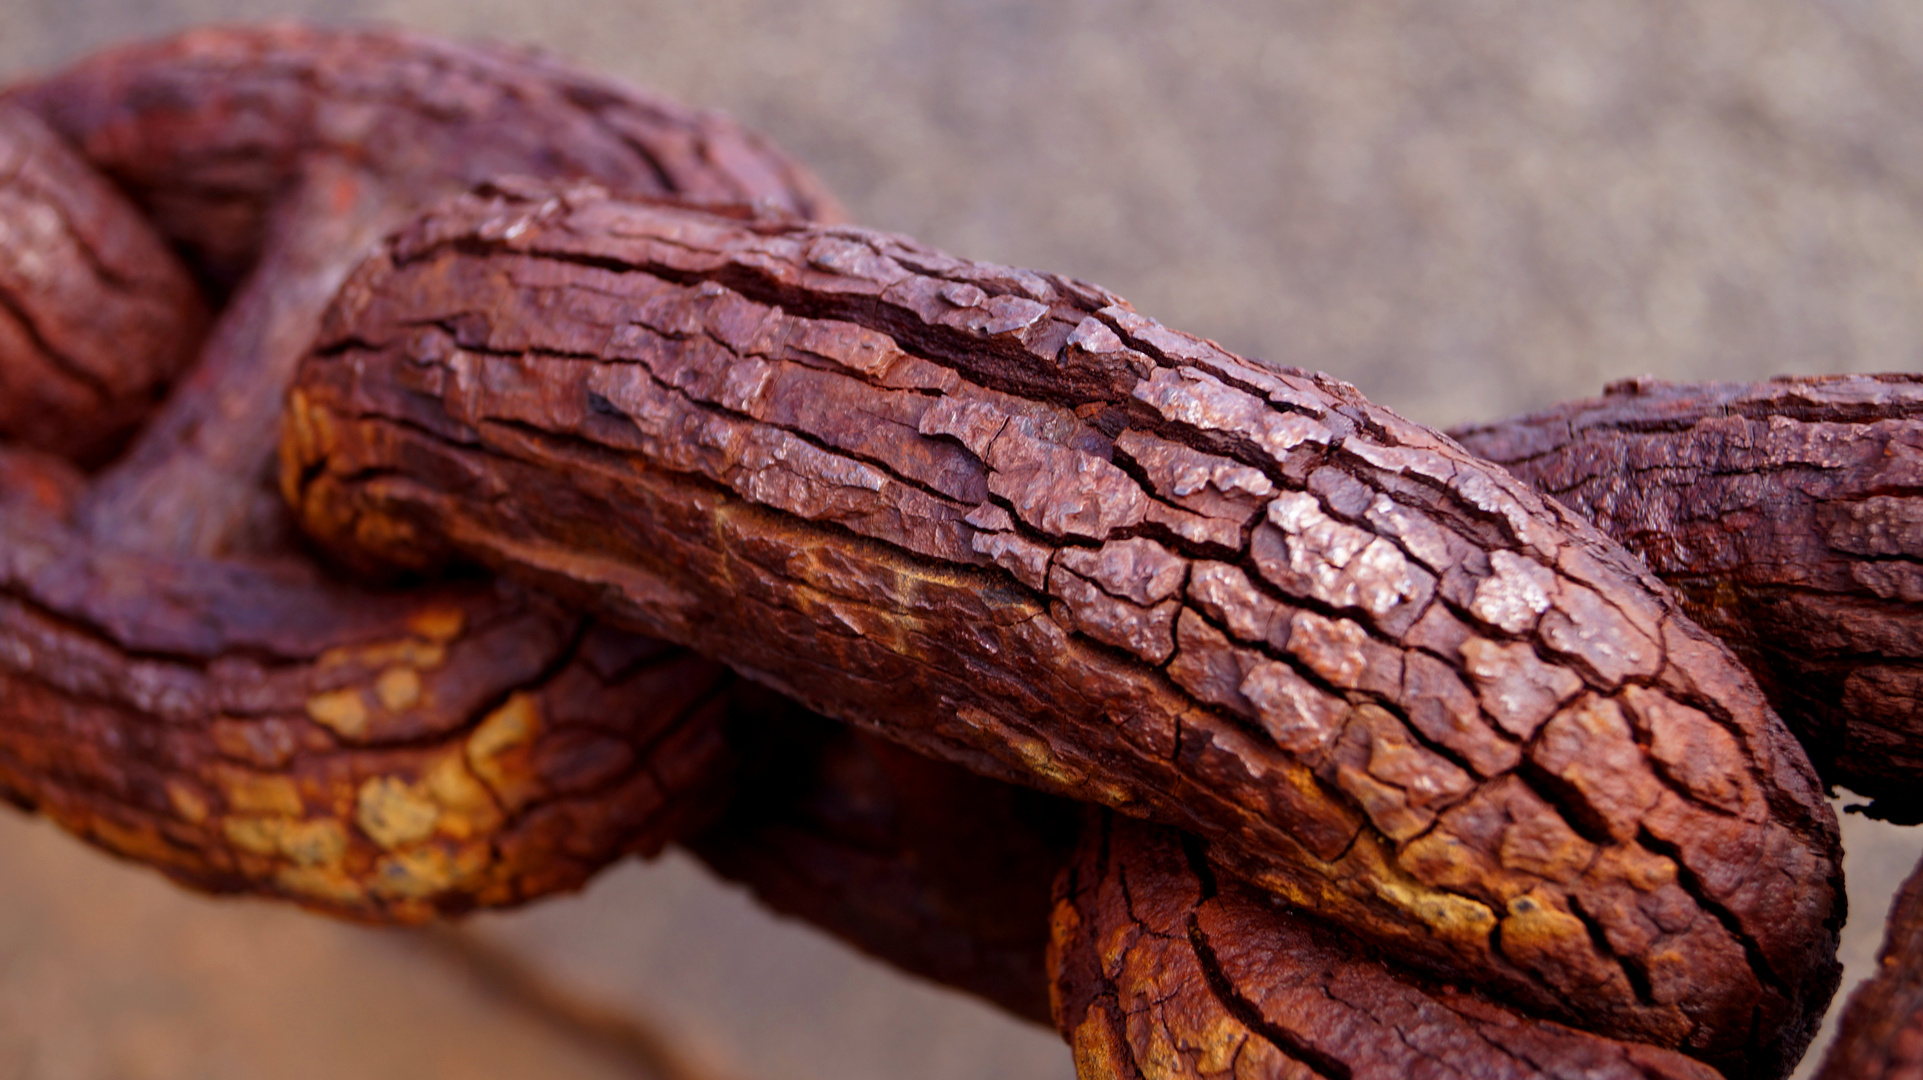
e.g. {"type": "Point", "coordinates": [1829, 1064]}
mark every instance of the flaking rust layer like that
{"type": "Point", "coordinates": [275, 155]}
{"type": "Point", "coordinates": [1005, 519]}
{"type": "Point", "coordinates": [386, 757]}
{"type": "Point", "coordinates": [179, 681]}
{"type": "Point", "coordinates": [1162, 972]}
{"type": "Point", "coordinates": [97, 316]}
{"type": "Point", "coordinates": [1786, 514]}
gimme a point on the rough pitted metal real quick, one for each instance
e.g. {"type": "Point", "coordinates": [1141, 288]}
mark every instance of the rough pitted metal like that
{"type": "Point", "coordinates": [1162, 972]}
{"type": "Point", "coordinates": [1786, 514]}
{"type": "Point", "coordinates": [1004, 518]}
{"type": "Point", "coordinates": [96, 314]}
{"type": "Point", "coordinates": [256, 727]}
{"type": "Point", "coordinates": [275, 155]}
{"type": "Point", "coordinates": [179, 681]}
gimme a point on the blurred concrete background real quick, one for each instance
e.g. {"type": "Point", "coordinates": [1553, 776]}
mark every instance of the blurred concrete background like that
{"type": "Point", "coordinates": [1466, 207]}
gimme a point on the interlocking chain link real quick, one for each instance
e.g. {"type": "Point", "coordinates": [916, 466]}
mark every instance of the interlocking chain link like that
{"type": "Point", "coordinates": [1444, 778]}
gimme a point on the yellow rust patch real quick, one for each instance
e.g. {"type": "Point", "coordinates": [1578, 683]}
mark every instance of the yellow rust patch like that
{"type": "Point", "coordinates": [351, 711]}
{"type": "Point", "coordinates": [1064, 926]}
{"type": "Point", "coordinates": [1644, 870]}
{"type": "Point", "coordinates": [1114, 944]}
{"type": "Point", "coordinates": [1095, 1045]}
{"type": "Point", "coordinates": [1149, 1035]}
{"type": "Point", "coordinates": [512, 725]}
{"type": "Point", "coordinates": [1320, 892]}
{"type": "Point", "coordinates": [427, 870]}
{"type": "Point", "coordinates": [187, 802]}
{"type": "Point", "coordinates": [257, 793]}
{"type": "Point", "coordinates": [1447, 915]}
{"type": "Point", "coordinates": [393, 813]}
{"type": "Point", "coordinates": [413, 874]}
{"type": "Point", "coordinates": [320, 842]}
{"type": "Point", "coordinates": [467, 810]}
{"type": "Point", "coordinates": [442, 624]}
{"type": "Point", "coordinates": [1534, 927]}
{"type": "Point", "coordinates": [404, 652]}
{"type": "Point", "coordinates": [308, 433]}
{"type": "Point", "coordinates": [340, 711]}
{"type": "Point", "coordinates": [324, 883]}
{"type": "Point", "coordinates": [253, 834]}
{"type": "Point", "coordinates": [498, 750]}
{"type": "Point", "coordinates": [1036, 754]}
{"type": "Point", "coordinates": [1221, 1043]}
{"type": "Point", "coordinates": [398, 688]}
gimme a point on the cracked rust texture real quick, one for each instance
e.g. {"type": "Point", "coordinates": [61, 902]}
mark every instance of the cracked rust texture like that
{"type": "Point", "coordinates": [930, 867]}
{"type": "Point", "coordinates": [207, 130]}
{"type": "Point", "coordinates": [178, 681]}
{"type": "Point", "coordinates": [1881, 1034]}
{"type": "Point", "coordinates": [274, 155]}
{"type": "Point", "coordinates": [1786, 514]}
{"type": "Point", "coordinates": [96, 315]}
{"type": "Point", "coordinates": [1003, 518]}
{"type": "Point", "coordinates": [1162, 972]}
{"type": "Point", "coordinates": [254, 727]}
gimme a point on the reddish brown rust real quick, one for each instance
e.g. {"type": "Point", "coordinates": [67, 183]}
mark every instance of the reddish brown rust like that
{"type": "Point", "coordinates": [244, 722]}
{"type": "Point", "coordinates": [1160, 972]}
{"type": "Point", "coordinates": [209, 129]}
{"type": "Point", "coordinates": [256, 727]}
{"type": "Point", "coordinates": [34, 482]}
{"type": "Point", "coordinates": [96, 315]}
{"type": "Point", "coordinates": [1881, 1034]}
{"type": "Point", "coordinates": [1787, 515]}
{"type": "Point", "coordinates": [285, 151]}
{"type": "Point", "coordinates": [934, 869]}
{"type": "Point", "coordinates": [1002, 517]}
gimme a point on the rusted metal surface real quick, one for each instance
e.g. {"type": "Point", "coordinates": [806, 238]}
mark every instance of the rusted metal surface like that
{"type": "Point", "coordinates": [1785, 514]}
{"type": "Point", "coordinates": [275, 155]}
{"type": "Point", "coordinates": [209, 129]}
{"type": "Point", "coordinates": [1001, 517]}
{"type": "Point", "coordinates": [254, 726]}
{"type": "Point", "coordinates": [179, 682]}
{"type": "Point", "coordinates": [1405, 708]}
{"type": "Point", "coordinates": [96, 314]}
{"type": "Point", "coordinates": [1163, 971]}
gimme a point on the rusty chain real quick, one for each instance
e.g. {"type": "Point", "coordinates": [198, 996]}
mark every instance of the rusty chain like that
{"type": "Point", "coordinates": [1399, 767]}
